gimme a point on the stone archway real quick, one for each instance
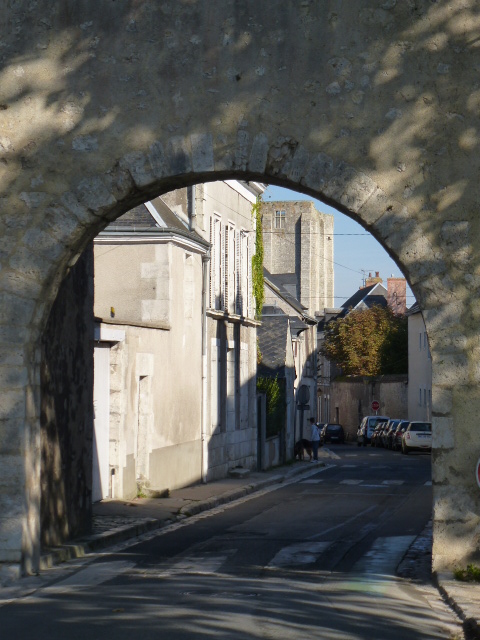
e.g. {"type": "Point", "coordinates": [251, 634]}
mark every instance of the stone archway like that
{"type": "Point", "coordinates": [371, 107]}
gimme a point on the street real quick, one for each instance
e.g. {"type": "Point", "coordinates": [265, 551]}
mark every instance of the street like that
{"type": "Point", "coordinates": [315, 558]}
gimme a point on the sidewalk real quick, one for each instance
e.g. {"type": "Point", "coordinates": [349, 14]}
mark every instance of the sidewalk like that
{"type": "Point", "coordinates": [115, 521]}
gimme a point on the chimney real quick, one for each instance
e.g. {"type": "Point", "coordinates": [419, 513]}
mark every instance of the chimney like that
{"type": "Point", "coordinates": [376, 280]}
{"type": "Point", "coordinates": [397, 295]}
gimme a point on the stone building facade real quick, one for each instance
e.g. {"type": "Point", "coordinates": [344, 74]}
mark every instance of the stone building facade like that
{"type": "Point", "coordinates": [222, 215]}
{"type": "Point", "coordinates": [419, 368]}
{"type": "Point", "coordinates": [298, 245]}
{"type": "Point", "coordinates": [182, 380]}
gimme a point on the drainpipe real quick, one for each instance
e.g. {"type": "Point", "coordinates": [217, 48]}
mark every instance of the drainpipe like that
{"type": "Point", "coordinates": [205, 271]}
{"type": "Point", "coordinates": [192, 207]}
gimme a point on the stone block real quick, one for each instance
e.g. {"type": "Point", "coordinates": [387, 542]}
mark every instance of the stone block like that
{"type": "Point", "coordinates": [258, 154]}
{"type": "Point", "coordinates": [442, 400]}
{"type": "Point", "coordinates": [12, 377]}
{"type": "Point", "coordinates": [443, 436]}
{"type": "Point", "coordinates": [178, 156]}
{"type": "Point", "coordinates": [455, 503]}
{"type": "Point", "coordinates": [450, 369]}
{"type": "Point", "coordinates": [156, 158]}
{"type": "Point", "coordinates": [241, 149]}
{"type": "Point", "coordinates": [94, 194]}
{"type": "Point", "coordinates": [202, 152]}
{"type": "Point", "coordinates": [139, 166]}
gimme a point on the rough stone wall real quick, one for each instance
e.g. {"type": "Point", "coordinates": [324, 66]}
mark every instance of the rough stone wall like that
{"type": "Point", "coordinates": [353, 398]}
{"type": "Point", "coordinates": [370, 106]}
{"type": "Point", "coordinates": [67, 408]}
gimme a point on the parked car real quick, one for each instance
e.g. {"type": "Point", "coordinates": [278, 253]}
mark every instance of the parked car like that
{"type": "Point", "coordinates": [332, 433]}
{"type": "Point", "coordinates": [398, 435]}
{"type": "Point", "coordinates": [417, 437]}
{"type": "Point", "coordinates": [376, 439]}
{"type": "Point", "coordinates": [367, 427]}
{"type": "Point", "coordinates": [387, 435]}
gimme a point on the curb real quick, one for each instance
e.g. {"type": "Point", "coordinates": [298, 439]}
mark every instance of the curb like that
{"type": "Point", "coordinates": [470, 625]}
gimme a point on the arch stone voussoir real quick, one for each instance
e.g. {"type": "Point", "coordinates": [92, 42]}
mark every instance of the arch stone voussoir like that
{"type": "Point", "coordinates": [117, 102]}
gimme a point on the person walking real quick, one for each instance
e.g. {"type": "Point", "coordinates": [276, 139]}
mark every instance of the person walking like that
{"type": "Point", "coordinates": [315, 439]}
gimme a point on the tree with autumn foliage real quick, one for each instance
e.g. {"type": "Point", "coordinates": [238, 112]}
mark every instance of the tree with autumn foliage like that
{"type": "Point", "coordinates": [368, 342]}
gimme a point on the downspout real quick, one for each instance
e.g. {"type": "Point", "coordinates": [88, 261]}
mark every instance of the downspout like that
{"type": "Point", "coordinates": [192, 207]}
{"type": "Point", "coordinates": [205, 271]}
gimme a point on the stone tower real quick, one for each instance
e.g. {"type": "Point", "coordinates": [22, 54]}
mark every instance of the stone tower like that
{"type": "Point", "coordinates": [298, 244]}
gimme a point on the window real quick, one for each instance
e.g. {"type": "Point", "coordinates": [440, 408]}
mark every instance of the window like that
{"type": "Point", "coordinates": [420, 397]}
{"type": "Point", "coordinates": [243, 267]}
{"type": "Point", "coordinates": [420, 341]}
{"type": "Point", "coordinates": [280, 219]}
{"type": "Point", "coordinates": [424, 397]}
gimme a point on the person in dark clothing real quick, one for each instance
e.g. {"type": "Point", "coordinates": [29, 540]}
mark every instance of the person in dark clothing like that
{"type": "Point", "coordinates": [315, 439]}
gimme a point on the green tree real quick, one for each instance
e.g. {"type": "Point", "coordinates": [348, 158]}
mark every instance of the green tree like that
{"type": "Point", "coordinates": [368, 342]}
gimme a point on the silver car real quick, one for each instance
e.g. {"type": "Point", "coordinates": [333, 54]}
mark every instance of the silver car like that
{"type": "Point", "coordinates": [367, 427]}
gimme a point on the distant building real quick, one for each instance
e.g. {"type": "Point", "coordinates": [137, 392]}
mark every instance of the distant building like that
{"type": "Point", "coordinates": [374, 292]}
{"type": "Point", "coordinates": [298, 250]}
{"type": "Point", "coordinates": [283, 312]}
{"type": "Point", "coordinates": [349, 401]}
{"type": "Point", "coordinates": [419, 367]}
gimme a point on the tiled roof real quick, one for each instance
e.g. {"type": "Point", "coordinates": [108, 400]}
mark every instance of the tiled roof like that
{"type": "Point", "coordinates": [156, 217]}
{"type": "Point", "coordinates": [138, 218]}
{"type": "Point", "coordinates": [277, 284]}
{"type": "Point", "coordinates": [367, 297]}
{"type": "Point", "coordinates": [415, 308]}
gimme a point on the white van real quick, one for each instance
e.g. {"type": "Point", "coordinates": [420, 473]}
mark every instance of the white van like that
{"type": "Point", "coordinates": [366, 428]}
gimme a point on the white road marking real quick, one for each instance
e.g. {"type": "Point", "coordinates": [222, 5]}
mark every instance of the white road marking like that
{"type": "Point", "coordinates": [349, 466]}
{"type": "Point", "coordinates": [351, 481]}
{"type": "Point", "coordinates": [312, 481]}
{"type": "Point", "coordinates": [205, 564]}
{"type": "Point", "coordinates": [393, 482]}
{"type": "Point", "coordinates": [384, 555]}
{"type": "Point", "coordinates": [375, 486]}
{"type": "Point", "coordinates": [428, 483]}
{"type": "Point", "coordinates": [91, 576]}
{"type": "Point", "coordinates": [343, 524]}
{"type": "Point", "coordinates": [298, 554]}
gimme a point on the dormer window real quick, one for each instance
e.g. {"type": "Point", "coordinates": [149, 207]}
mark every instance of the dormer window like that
{"type": "Point", "coordinates": [280, 219]}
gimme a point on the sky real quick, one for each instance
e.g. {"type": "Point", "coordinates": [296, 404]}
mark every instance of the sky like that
{"type": "Point", "coordinates": [356, 253]}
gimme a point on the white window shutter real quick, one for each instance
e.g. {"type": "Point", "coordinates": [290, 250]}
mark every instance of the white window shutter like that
{"type": "Point", "coordinates": [238, 274]}
{"type": "Point", "coordinates": [226, 251]}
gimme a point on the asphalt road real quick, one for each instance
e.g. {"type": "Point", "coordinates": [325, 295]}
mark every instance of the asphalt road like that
{"type": "Point", "coordinates": [316, 558]}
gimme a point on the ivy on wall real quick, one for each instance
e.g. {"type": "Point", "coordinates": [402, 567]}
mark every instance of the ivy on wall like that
{"type": "Point", "coordinates": [274, 390]}
{"type": "Point", "coordinates": [257, 260]}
